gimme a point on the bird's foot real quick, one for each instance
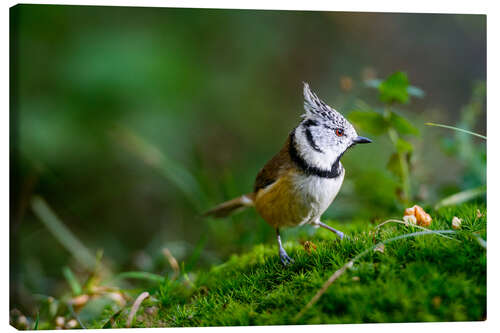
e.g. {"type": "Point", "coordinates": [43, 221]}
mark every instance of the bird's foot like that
{"type": "Point", "coordinates": [340, 234]}
{"type": "Point", "coordinates": [285, 259]}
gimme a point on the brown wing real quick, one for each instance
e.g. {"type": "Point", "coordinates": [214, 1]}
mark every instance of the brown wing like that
{"type": "Point", "coordinates": [280, 163]}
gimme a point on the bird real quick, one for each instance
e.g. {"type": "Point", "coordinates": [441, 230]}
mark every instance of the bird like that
{"type": "Point", "coordinates": [298, 184]}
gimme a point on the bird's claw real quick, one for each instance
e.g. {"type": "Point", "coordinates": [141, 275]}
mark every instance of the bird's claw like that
{"type": "Point", "coordinates": [285, 259]}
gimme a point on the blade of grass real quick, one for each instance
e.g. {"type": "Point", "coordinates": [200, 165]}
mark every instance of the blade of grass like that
{"type": "Point", "coordinates": [140, 276]}
{"type": "Point", "coordinates": [350, 263]}
{"type": "Point", "coordinates": [35, 327]}
{"type": "Point", "coordinates": [457, 129]}
{"type": "Point", "coordinates": [174, 172]}
{"type": "Point", "coordinates": [72, 281]}
{"type": "Point", "coordinates": [62, 233]}
{"type": "Point", "coordinates": [191, 262]}
{"type": "Point", "coordinates": [112, 319]}
{"type": "Point", "coordinates": [461, 197]}
{"type": "Point", "coordinates": [481, 241]}
{"type": "Point", "coordinates": [413, 225]}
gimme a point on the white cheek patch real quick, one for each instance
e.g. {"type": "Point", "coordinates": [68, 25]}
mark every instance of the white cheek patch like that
{"type": "Point", "coordinates": [322, 160]}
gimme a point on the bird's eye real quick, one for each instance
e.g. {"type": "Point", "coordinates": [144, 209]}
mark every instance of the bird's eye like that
{"type": "Point", "coordinates": [339, 131]}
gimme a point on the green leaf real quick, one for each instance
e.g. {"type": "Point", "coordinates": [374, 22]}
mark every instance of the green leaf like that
{"type": "Point", "coordinates": [369, 121]}
{"type": "Point", "coordinates": [412, 90]}
{"type": "Point", "coordinates": [402, 125]}
{"type": "Point", "coordinates": [394, 89]}
{"type": "Point", "coordinates": [404, 146]}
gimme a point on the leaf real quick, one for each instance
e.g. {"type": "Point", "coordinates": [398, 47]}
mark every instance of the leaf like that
{"type": "Point", "coordinates": [369, 121]}
{"type": "Point", "coordinates": [402, 125]}
{"type": "Point", "coordinates": [394, 89]}
{"type": "Point", "coordinates": [404, 146]}
{"type": "Point", "coordinates": [412, 90]}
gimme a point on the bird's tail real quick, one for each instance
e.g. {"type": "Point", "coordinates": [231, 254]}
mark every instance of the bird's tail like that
{"type": "Point", "coordinates": [226, 208]}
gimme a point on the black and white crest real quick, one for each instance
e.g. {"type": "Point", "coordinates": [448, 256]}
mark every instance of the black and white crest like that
{"type": "Point", "coordinates": [316, 108]}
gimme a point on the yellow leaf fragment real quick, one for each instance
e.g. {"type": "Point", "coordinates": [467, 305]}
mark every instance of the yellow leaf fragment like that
{"type": "Point", "coordinates": [423, 219]}
{"type": "Point", "coordinates": [410, 219]}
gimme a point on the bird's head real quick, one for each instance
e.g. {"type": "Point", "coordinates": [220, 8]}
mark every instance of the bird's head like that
{"type": "Point", "coordinates": [324, 134]}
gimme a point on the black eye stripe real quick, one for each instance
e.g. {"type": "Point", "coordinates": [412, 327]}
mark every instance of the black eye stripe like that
{"type": "Point", "coordinates": [311, 141]}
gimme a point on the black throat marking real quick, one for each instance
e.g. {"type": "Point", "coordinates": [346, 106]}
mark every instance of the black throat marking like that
{"type": "Point", "coordinates": [334, 172]}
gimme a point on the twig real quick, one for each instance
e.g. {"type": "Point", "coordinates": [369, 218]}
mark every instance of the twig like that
{"type": "Point", "coordinates": [136, 306]}
{"type": "Point", "coordinates": [349, 264]}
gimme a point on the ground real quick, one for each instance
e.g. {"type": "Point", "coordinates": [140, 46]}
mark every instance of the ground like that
{"type": "Point", "coordinates": [422, 278]}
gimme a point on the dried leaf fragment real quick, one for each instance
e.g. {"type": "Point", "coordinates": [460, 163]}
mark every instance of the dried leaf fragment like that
{"type": "Point", "coordinates": [309, 246]}
{"type": "Point", "coordinates": [380, 248]}
{"type": "Point", "coordinates": [410, 219]}
{"type": "Point", "coordinates": [456, 222]}
{"type": "Point", "coordinates": [79, 301]}
{"type": "Point", "coordinates": [423, 219]}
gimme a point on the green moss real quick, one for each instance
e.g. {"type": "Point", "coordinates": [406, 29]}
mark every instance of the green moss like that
{"type": "Point", "coordinates": [426, 278]}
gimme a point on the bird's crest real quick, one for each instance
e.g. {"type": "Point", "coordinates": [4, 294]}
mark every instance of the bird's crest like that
{"type": "Point", "coordinates": [316, 107]}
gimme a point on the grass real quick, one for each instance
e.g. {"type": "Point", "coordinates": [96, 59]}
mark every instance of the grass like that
{"type": "Point", "coordinates": [423, 278]}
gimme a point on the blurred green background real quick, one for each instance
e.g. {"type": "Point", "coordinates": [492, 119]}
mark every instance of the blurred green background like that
{"type": "Point", "coordinates": [129, 122]}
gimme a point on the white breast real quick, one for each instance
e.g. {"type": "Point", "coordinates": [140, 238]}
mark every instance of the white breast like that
{"type": "Point", "coordinates": [317, 193]}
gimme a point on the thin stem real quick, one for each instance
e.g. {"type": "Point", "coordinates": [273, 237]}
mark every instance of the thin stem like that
{"type": "Point", "coordinates": [457, 129]}
{"type": "Point", "coordinates": [413, 225]}
{"type": "Point", "coordinates": [403, 163]}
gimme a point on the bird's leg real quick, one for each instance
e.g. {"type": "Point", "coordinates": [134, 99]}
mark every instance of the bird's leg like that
{"type": "Point", "coordinates": [285, 259]}
{"type": "Point", "coordinates": [326, 226]}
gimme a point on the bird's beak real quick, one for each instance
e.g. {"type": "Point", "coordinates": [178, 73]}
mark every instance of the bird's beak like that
{"type": "Point", "coordinates": [361, 139]}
